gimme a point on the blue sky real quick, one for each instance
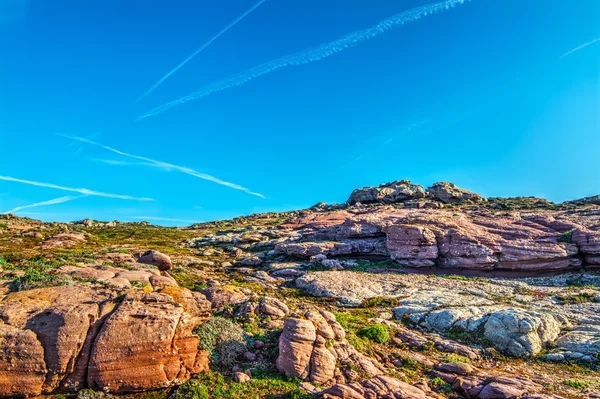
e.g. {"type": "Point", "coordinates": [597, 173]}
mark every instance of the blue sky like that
{"type": "Point", "coordinates": [481, 94]}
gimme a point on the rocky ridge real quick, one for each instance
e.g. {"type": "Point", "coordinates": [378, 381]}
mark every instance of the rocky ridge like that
{"type": "Point", "coordinates": [341, 297]}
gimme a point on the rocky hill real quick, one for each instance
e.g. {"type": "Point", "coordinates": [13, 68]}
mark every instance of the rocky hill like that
{"type": "Point", "coordinates": [401, 292]}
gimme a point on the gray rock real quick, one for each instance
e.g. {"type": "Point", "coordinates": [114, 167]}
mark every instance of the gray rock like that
{"type": "Point", "coordinates": [521, 333]}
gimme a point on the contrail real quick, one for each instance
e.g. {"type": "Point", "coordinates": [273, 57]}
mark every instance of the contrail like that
{"type": "Point", "coordinates": [167, 165]}
{"type": "Point", "coordinates": [312, 55]}
{"type": "Point", "coordinates": [83, 191]}
{"type": "Point", "coordinates": [44, 203]}
{"type": "Point", "coordinates": [580, 47]}
{"type": "Point", "coordinates": [205, 45]}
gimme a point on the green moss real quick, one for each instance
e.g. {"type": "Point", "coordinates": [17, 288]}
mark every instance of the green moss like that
{"type": "Point", "coordinates": [378, 333]}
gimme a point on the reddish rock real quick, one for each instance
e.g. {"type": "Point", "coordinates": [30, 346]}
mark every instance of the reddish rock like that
{"type": "Point", "coordinates": [375, 388]}
{"type": "Point", "coordinates": [158, 259]}
{"type": "Point", "coordinates": [147, 343]}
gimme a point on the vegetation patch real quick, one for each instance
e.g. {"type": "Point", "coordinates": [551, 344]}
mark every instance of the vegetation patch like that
{"type": "Point", "coordinates": [223, 340]}
{"type": "Point", "coordinates": [215, 386]}
{"type": "Point", "coordinates": [378, 333]}
{"type": "Point", "coordinates": [577, 384]}
{"type": "Point", "coordinates": [566, 237]}
{"type": "Point", "coordinates": [380, 301]}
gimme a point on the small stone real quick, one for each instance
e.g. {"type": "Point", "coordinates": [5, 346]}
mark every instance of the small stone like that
{"type": "Point", "coordinates": [241, 377]}
{"type": "Point", "coordinates": [258, 344]}
{"type": "Point", "coordinates": [249, 356]}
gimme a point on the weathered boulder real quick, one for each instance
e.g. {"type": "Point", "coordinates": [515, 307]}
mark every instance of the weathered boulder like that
{"type": "Point", "coordinates": [67, 338]}
{"type": "Point", "coordinates": [155, 258]}
{"type": "Point", "coordinates": [387, 193]}
{"type": "Point", "coordinates": [450, 193]}
{"type": "Point", "coordinates": [521, 333]}
{"type": "Point", "coordinates": [220, 297]}
{"type": "Point", "coordinates": [312, 348]}
{"type": "Point", "coordinates": [147, 343]}
{"type": "Point", "coordinates": [295, 347]}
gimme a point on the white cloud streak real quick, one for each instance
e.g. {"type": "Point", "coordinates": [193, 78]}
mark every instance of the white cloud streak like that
{"type": "Point", "coordinates": [45, 203]}
{"type": "Point", "coordinates": [313, 54]}
{"type": "Point", "coordinates": [580, 47]}
{"type": "Point", "coordinates": [83, 191]}
{"type": "Point", "coordinates": [166, 165]}
{"type": "Point", "coordinates": [205, 45]}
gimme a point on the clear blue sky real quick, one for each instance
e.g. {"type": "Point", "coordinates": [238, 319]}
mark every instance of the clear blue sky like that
{"type": "Point", "coordinates": [479, 95]}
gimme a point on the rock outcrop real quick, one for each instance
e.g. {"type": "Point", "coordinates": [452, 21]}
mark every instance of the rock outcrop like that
{"type": "Point", "coordinates": [375, 388]}
{"type": "Point", "coordinates": [68, 338]}
{"type": "Point", "coordinates": [387, 193]}
{"type": "Point", "coordinates": [451, 240]}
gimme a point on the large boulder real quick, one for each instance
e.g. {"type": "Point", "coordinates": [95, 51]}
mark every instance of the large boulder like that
{"type": "Point", "coordinates": [521, 333]}
{"type": "Point", "coordinates": [68, 338]}
{"type": "Point", "coordinates": [147, 343]}
{"type": "Point", "coordinates": [387, 193]}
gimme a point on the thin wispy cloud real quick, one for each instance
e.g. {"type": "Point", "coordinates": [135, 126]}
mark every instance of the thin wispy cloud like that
{"type": "Point", "coordinates": [83, 191]}
{"type": "Point", "coordinates": [580, 47]}
{"type": "Point", "coordinates": [44, 203]}
{"type": "Point", "coordinates": [313, 54]}
{"type": "Point", "coordinates": [125, 163]}
{"type": "Point", "coordinates": [181, 169]}
{"type": "Point", "coordinates": [205, 45]}
{"type": "Point", "coordinates": [162, 219]}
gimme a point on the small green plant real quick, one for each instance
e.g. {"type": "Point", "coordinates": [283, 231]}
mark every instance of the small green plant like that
{"type": "Point", "coordinates": [566, 237]}
{"type": "Point", "coordinates": [577, 384]}
{"type": "Point", "coordinates": [3, 261]}
{"type": "Point", "coordinates": [378, 333]}
{"type": "Point", "coordinates": [3, 226]}
{"type": "Point", "coordinates": [439, 385]}
{"type": "Point", "coordinates": [457, 359]}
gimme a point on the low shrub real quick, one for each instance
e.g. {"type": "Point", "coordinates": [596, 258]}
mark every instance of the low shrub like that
{"type": "Point", "coordinates": [378, 333]}
{"type": "Point", "coordinates": [223, 340]}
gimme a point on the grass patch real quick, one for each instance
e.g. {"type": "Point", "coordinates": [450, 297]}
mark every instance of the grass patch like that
{"type": "Point", "coordinates": [38, 274]}
{"type": "Point", "coordinates": [582, 297]}
{"type": "Point", "coordinates": [213, 385]}
{"type": "Point", "coordinates": [457, 359]}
